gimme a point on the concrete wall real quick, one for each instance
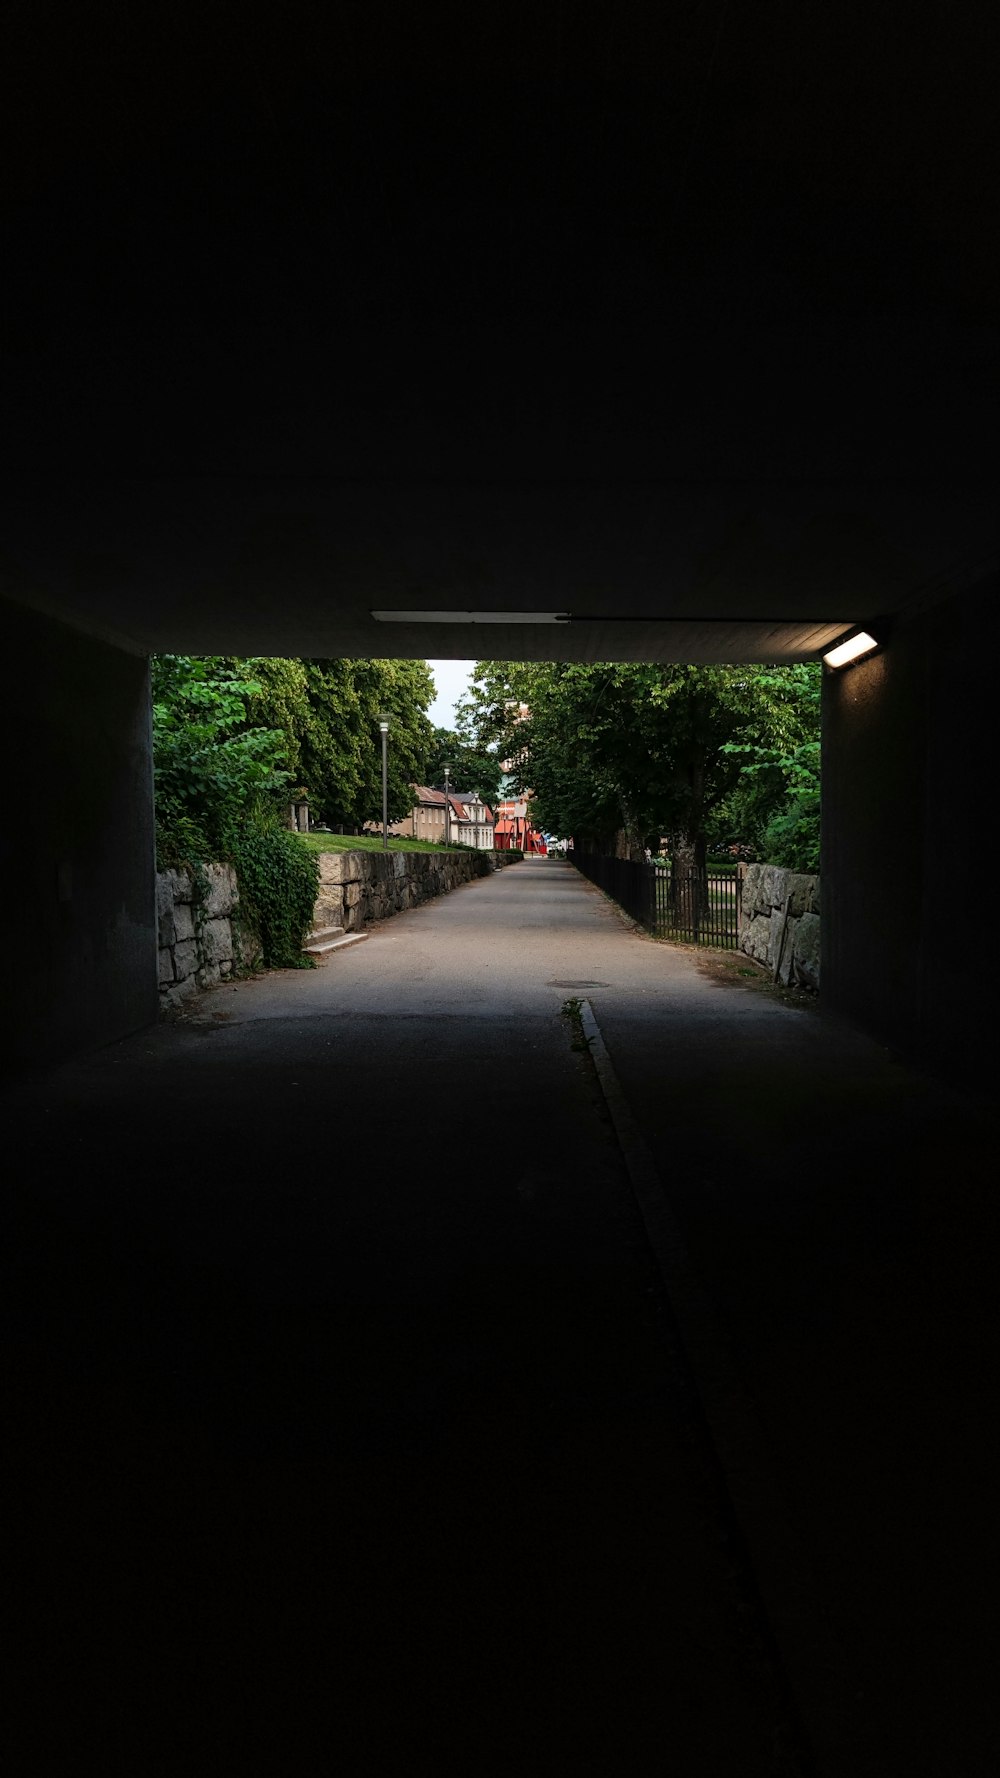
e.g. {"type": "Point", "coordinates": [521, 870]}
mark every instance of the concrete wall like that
{"type": "Point", "coordinates": [77, 867]}
{"type": "Point", "coordinates": [909, 817]}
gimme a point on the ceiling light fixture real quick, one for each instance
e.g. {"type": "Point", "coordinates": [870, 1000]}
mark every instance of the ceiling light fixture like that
{"type": "Point", "coordinates": [471, 617]}
{"type": "Point", "coordinates": [648, 621]}
{"type": "Point", "coordinates": [854, 649]}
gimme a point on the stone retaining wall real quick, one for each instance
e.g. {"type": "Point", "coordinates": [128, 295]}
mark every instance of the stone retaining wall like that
{"type": "Point", "coordinates": [197, 945]}
{"type": "Point", "coordinates": [356, 887]}
{"type": "Point", "coordinates": [764, 933]}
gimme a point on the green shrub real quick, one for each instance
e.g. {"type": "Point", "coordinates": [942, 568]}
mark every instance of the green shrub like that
{"type": "Point", "coordinates": [791, 838]}
{"type": "Point", "coordinates": [278, 879]}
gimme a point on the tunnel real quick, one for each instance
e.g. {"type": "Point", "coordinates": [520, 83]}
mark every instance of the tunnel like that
{"type": "Point", "coordinates": [528, 333]}
{"type": "Point", "coordinates": [265, 568]}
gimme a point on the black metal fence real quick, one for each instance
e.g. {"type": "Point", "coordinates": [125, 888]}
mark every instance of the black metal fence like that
{"type": "Point", "coordinates": [697, 908]}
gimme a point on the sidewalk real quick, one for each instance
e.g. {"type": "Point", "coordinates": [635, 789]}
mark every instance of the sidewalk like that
{"type": "Point", "coordinates": [350, 1430]}
{"type": "Point", "coordinates": [353, 1426]}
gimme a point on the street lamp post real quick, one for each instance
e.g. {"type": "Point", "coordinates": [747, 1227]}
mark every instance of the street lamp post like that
{"type": "Point", "coordinates": [383, 723]}
{"type": "Point", "coordinates": [447, 805]}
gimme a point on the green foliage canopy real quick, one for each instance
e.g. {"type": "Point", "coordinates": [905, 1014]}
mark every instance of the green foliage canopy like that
{"type": "Point", "coordinates": [472, 767]}
{"type": "Point", "coordinates": [341, 752]}
{"type": "Point", "coordinates": [212, 760]}
{"type": "Point", "coordinates": [775, 805]}
{"type": "Point", "coordinates": [649, 750]}
{"type": "Point", "coordinates": [228, 731]}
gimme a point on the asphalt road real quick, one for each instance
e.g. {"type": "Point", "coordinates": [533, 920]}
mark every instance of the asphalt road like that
{"type": "Point", "coordinates": [352, 1423]}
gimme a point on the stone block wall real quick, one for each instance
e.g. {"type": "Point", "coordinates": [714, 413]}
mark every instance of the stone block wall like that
{"type": "Point", "coordinates": [357, 887]}
{"type": "Point", "coordinates": [764, 933]}
{"type": "Point", "coordinates": [197, 945]}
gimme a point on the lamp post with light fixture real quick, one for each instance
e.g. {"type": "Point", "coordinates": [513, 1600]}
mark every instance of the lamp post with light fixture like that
{"type": "Point", "coordinates": [383, 723]}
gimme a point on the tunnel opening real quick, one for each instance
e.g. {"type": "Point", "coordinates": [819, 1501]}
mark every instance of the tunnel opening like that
{"type": "Point", "coordinates": [679, 775]}
{"type": "Point", "coordinates": [348, 1322]}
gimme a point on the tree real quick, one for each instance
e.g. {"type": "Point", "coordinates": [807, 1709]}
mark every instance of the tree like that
{"type": "Point", "coordinates": [472, 767]}
{"type": "Point", "coordinates": [280, 701]}
{"type": "Point", "coordinates": [341, 755]}
{"type": "Point", "coordinates": [619, 755]}
{"type": "Point", "coordinates": [211, 760]}
{"type": "Point", "coordinates": [327, 712]}
{"type": "Point", "coordinates": [776, 802]}
{"type": "Point", "coordinates": [330, 765]}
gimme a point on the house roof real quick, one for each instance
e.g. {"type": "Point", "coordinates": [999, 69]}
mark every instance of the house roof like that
{"type": "Point", "coordinates": [459, 803]}
{"type": "Point", "coordinates": [426, 797]}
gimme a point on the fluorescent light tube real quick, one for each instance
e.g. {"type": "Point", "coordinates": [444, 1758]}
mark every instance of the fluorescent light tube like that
{"type": "Point", "coordinates": [851, 650]}
{"type": "Point", "coordinates": [471, 617]}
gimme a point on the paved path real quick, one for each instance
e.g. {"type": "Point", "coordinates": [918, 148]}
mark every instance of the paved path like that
{"type": "Point", "coordinates": [355, 1428]}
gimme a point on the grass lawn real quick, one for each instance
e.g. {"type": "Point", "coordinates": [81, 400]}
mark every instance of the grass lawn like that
{"type": "Point", "coordinates": [367, 842]}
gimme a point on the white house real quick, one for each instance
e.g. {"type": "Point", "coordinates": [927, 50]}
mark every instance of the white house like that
{"type": "Point", "coordinates": [472, 821]}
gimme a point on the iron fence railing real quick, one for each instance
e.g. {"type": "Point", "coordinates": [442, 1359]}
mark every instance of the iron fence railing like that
{"type": "Point", "coordinates": [701, 908]}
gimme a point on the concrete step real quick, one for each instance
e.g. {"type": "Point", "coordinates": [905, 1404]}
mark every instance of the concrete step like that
{"type": "Point", "coordinates": [330, 938]}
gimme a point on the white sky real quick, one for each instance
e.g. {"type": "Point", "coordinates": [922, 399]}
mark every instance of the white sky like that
{"type": "Point", "coordinates": [451, 681]}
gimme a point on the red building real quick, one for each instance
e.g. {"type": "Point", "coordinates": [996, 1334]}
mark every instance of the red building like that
{"type": "Point", "coordinates": [512, 831]}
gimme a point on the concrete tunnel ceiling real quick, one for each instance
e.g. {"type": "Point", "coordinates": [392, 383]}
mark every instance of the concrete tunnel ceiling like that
{"type": "Point", "coordinates": [646, 573]}
{"type": "Point", "coordinates": [680, 324]}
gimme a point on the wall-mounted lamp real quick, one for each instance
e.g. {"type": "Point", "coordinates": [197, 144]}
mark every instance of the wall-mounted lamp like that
{"type": "Point", "coordinates": [854, 649]}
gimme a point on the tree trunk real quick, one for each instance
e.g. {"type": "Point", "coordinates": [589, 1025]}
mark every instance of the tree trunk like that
{"type": "Point", "coordinates": [629, 840]}
{"type": "Point", "coordinates": [684, 853]}
{"type": "Point", "coordinates": [688, 880]}
{"type": "Point", "coordinates": [688, 876]}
